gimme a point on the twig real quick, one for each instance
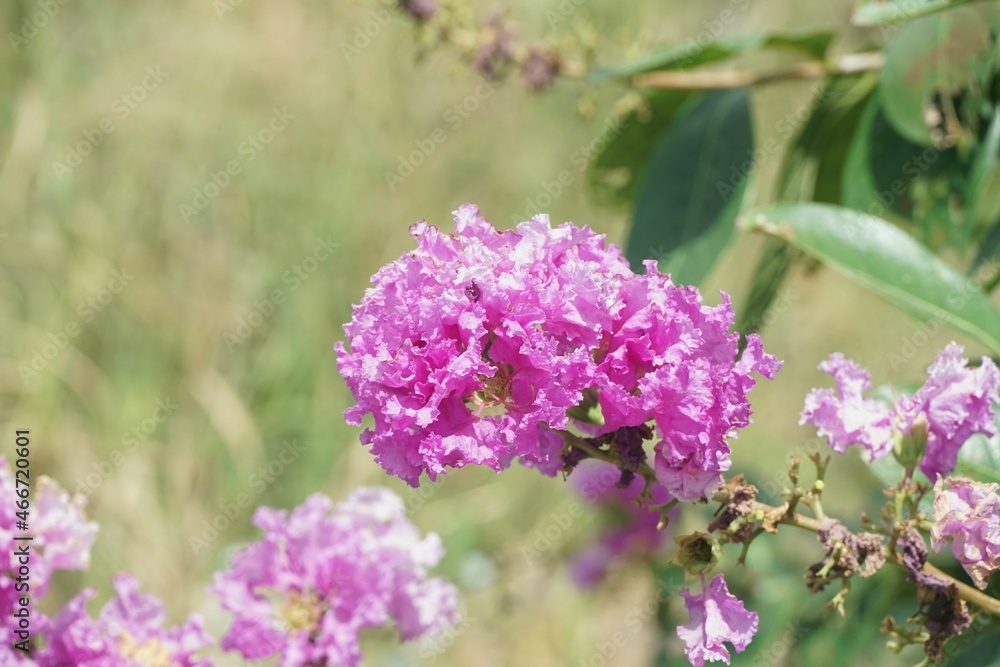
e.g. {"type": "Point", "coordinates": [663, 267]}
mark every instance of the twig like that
{"type": "Point", "coordinates": [581, 444]}
{"type": "Point", "coordinates": [966, 592]}
{"type": "Point", "coordinates": [853, 63]}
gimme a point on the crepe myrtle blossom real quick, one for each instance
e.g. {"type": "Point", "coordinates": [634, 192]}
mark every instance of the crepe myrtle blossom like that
{"type": "Point", "coordinates": [61, 540]}
{"type": "Point", "coordinates": [323, 572]}
{"type": "Point", "coordinates": [633, 526]}
{"type": "Point", "coordinates": [473, 349]}
{"type": "Point", "coordinates": [716, 618]}
{"type": "Point", "coordinates": [129, 632]}
{"type": "Point", "coordinates": [968, 513]}
{"type": "Point", "coordinates": [954, 403]}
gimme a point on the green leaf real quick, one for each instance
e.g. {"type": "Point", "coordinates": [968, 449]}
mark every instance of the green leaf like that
{"type": "Point", "coordinates": [979, 458]}
{"type": "Point", "coordinates": [886, 260]}
{"type": "Point", "coordinates": [881, 12]}
{"type": "Point", "coordinates": [694, 53]}
{"type": "Point", "coordinates": [614, 175]}
{"type": "Point", "coordinates": [987, 248]}
{"type": "Point", "coordinates": [920, 187]}
{"type": "Point", "coordinates": [984, 651]}
{"type": "Point", "coordinates": [984, 181]}
{"type": "Point", "coordinates": [814, 166]}
{"type": "Point", "coordinates": [775, 261]}
{"type": "Point", "coordinates": [931, 58]}
{"type": "Point", "coordinates": [812, 171]}
{"type": "Point", "coordinates": [693, 187]}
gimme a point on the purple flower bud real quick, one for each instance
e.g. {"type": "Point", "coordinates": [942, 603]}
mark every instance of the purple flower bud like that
{"type": "Point", "coordinates": [496, 46]}
{"type": "Point", "coordinates": [541, 68]}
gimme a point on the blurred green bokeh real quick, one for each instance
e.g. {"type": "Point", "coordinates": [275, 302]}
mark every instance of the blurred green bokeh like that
{"type": "Point", "coordinates": [163, 390]}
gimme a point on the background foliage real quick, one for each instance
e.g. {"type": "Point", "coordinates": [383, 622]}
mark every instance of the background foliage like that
{"type": "Point", "coordinates": [174, 333]}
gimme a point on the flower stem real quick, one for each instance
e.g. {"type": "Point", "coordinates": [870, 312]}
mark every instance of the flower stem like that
{"type": "Point", "coordinates": [965, 591]}
{"type": "Point", "coordinates": [576, 441]}
{"type": "Point", "coordinates": [853, 63]}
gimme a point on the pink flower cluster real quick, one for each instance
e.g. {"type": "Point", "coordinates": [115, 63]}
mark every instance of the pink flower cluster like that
{"type": "Point", "coordinates": [956, 402]}
{"type": "Point", "coordinates": [472, 349]}
{"type": "Point", "coordinates": [322, 573]}
{"type": "Point", "coordinates": [61, 540]}
{"type": "Point", "coordinates": [968, 513]}
{"type": "Point", "coordinates": [129, 632]}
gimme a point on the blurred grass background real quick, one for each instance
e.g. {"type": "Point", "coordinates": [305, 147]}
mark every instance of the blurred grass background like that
{"type": "Point", "coordinates": [173, 333]}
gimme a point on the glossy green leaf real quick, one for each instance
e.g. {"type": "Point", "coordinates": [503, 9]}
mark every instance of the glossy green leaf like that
{"type": "Point", "coordinates": [984, 181]}
{"type": "Point", "coordinates": [989, 247]}
{"type": "Point", "coordinates": [918, 186]}
{"type": "Point", "coordinates": [886, 260]}
{"type": "Point", "coordinates": [979, 458]}
{"type": "Point", "coordinates": [811, 171]}
{"type": "Point", "coordinates": [934, 57]}
{"type": "Point", "coordinates": [814, 166]}
{"type": "Point", "coordinates": [975, 648]}
{"type": "Point", "coordinates": [694, 53]}
{"type": "Point", "coordinates": [614, 175]}
{"type": "Point", "coordinates": [693, 187]}
{"type": "Point", "coordinates": [882, 12]}
{"type": "Point", "coordinates": [776, 260]}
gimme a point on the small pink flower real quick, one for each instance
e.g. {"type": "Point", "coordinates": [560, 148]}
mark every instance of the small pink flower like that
{"type": "Point", "coordinates": [716, 618]}
{"type": "Point", "coordinates": [968, 513]}
{"type": "Point", "coordinates": [61, 540]}
{"type": "Point", "coordinates": [129, 632]}
{"type": "Point", "coordinates": [956, 402]}
{"type": "Point", "coordinates": [845, 417]}
{"type": "Point", "coordinates": [322, 573]}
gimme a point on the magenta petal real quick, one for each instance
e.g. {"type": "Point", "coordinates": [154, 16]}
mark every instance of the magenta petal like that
{"type": "Point", "coordinates": [968, 513]}
{"type": "Point", "coordinates": [716, 618]}
{"type": "Point", "coordinates": [323, 572]}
